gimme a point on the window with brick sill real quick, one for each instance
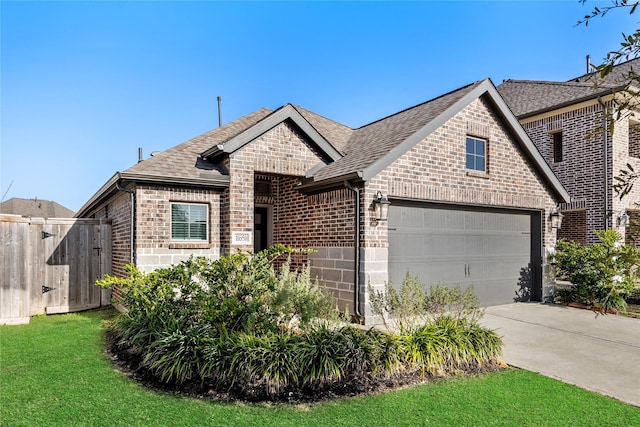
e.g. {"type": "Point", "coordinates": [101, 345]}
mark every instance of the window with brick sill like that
{"type": "Point", "coordinates": [476, 155]}
{"type": "Point", "coordinates": [189, 222]}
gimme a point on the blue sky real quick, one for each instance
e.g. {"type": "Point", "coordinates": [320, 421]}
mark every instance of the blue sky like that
{"type": "Point", "coordinates": [84, 84]}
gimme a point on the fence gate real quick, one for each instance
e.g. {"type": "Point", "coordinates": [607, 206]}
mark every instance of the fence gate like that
{"type": "Point", "coordinates": [51, 266]}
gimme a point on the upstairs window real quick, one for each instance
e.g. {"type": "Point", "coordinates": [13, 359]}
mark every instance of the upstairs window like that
{"type": "Point", "coordinates": [476, 154]}
{"type": "Point", "coordinates": [634, 139]}
{"type": "Point", "coordinates": [557, 147]}
{"type": "Point", "coordinates": [189, 222]}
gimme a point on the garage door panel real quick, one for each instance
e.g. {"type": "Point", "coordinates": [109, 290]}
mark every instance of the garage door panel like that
{"type": "Point", "coordinates": [440, 270]}
{"type": "Point", "coordinates": [488, 249]}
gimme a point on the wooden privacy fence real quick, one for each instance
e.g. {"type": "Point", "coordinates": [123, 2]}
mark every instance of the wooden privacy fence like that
{"type": "Point", "coordinates": [51, 266]}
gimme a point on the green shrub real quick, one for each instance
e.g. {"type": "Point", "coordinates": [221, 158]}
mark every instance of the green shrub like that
{"type": "Point", "coordinates": [603, 274]}
{"type": "Point", "coordinates": [240, 324]}
{"type": "Point", "coordinates": [240, 292]}
{"type": "Point", "coordinates": [297, 299]}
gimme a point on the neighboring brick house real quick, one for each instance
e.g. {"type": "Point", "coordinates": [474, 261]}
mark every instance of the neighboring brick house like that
{"type": "Point", "coordinates": [566, 120]}
{"type": "Point", "coordinates": [470, 196]}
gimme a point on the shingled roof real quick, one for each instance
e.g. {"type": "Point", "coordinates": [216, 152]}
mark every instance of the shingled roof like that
{"type": "Point", "coordinates": [36, 208]}
{"type": "Point", "coordinates": [530, 97]}
{"type": "Point", "coordinates": [372, 142]}
{"type": "Point", "coordinates": [617, 76]}
{"type": "Point", "coordinates": [349, 153]}
{"type": "Point", "coordinates": [184, 160]}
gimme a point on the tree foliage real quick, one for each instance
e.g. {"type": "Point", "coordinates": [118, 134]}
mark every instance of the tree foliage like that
{"type": "Point", "coordinates": [627, 92]}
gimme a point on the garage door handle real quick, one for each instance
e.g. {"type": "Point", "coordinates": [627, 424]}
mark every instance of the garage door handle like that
{"type": "Point", "coordinates": [465, 270]}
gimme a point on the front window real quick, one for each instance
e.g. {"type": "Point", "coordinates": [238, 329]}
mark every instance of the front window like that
{"type": "Point", "coordinates": [476, 154]}
{"type": "Point", "coordinates": [189, 222]}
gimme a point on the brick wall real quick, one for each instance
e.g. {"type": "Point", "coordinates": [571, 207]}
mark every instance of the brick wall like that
{"type": "Point", "coordinates": [282, 151]}
{"type": "Point", "coordinates": [510, 180]}
{"type": "Point", "coordinates": [622, 153]}
{"type": "Point", "coordinates": [434, 170]}
{"type": "Point", "coordinates": [154, 246]}
{"type": "Point", "coordinates": [632, 233]}
{"type": "Point", "coordinates": [582, 170]}
{"type": "Point", "coordinates": [634, 140]}
{"type": "Point", "coordinates": [574, 226]}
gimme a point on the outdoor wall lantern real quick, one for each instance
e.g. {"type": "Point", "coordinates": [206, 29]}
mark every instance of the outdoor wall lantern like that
{"type": "Point", "coordinates": [556, 219]}
{"type": "Point", "coordinates": [381, 205]}
{"type": "Point", "coordinates": [623, 219]}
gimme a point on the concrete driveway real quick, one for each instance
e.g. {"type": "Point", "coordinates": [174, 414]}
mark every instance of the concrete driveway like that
{"type": "Point", "coordinates": [601, 354]}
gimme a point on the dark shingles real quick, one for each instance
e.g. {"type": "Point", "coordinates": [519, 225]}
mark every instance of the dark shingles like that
{"type": "Point", "coordinates": [373, 141]}
{"type": "Point", "coordinates": [335, 133]}
{"type": "Point", "coordinates": [529, 96]}
{"type": "Point", "coordinates": [184, 161]}
{"type": "Point", "coordinates": [617, 76]}
{"type": "Point", "coordinates": [526, 97]}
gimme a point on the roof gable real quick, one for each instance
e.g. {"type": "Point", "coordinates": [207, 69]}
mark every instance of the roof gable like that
{"type": "Point", "coordinates": [286, 113]}
{"type": "Point", "coordinates": [374, 147]}
{"type": "Point", "coordinates": [377, 143]}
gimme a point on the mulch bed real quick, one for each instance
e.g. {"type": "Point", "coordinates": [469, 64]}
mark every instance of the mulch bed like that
{"type": "Point", "coordinates": [131, 365]}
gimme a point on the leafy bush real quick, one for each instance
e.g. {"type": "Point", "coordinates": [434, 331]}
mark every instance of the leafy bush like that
{"type": "Point", "coordinates": [411, 305]}
{"type": "Point", "coordinates": [240, 292]}
{"type": "Point", "coordinates": [603, 274]}
{"type": "Point", "coordinates": [240, 325]}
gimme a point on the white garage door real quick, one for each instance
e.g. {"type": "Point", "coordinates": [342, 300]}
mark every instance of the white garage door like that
{"type": "Point", "coordinates": [489, 249]}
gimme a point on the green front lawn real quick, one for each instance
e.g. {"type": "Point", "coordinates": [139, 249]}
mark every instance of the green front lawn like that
{"type": "Point", "coordinates": [53, 372]}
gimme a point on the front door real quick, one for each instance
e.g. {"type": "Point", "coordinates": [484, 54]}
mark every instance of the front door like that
{"type": "Point", "coordinates": [260, 229]}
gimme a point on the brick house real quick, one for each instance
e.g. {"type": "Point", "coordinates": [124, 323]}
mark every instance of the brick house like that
{"type": "Point", "coordinates": [470, 198]}
{"type": "Point", "coordinates": [565, 120]}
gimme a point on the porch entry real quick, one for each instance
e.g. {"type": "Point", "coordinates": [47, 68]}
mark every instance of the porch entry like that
{"type": "Point", "coordinates": [262, 228]}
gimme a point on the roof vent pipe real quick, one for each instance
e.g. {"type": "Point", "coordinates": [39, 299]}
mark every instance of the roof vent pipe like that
{"type": "Point", "coordinates": [588, 64]}
{"type": "Point", "coordinates": [139, 154]}
{"type": "Point", "coordinates": [219, 111]}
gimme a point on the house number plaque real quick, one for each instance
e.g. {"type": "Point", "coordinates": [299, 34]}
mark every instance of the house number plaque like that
{"type": "Point", "coordinates": [241, 238]}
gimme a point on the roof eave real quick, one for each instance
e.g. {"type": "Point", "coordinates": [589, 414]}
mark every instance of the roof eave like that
{"type": "Point", "coordinates": [310, 186]}
{"type": "Point", "coordinates": [110, 186]}
{"type": "Point", "coordinates": [221, 181]}
{"type": "Point", "coordinates": [609, 92]}
{"type": "Point", "coordinates": [99, 195]}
